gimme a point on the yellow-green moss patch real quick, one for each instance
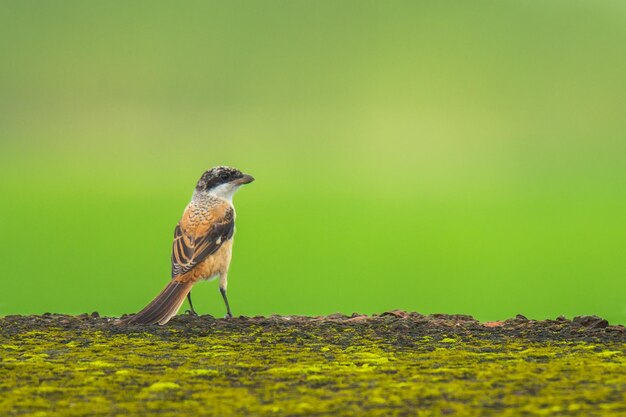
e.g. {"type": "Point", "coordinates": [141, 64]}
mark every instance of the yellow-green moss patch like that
{"type": "Point", "coordinates": [395, 367]}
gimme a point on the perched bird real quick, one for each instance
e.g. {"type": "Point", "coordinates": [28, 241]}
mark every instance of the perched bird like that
{"type": "Point", "coordinates": [203, 241]}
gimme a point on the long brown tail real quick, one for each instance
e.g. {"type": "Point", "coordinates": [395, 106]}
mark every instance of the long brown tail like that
{"type": "Point", "coordinates": [164, 306]}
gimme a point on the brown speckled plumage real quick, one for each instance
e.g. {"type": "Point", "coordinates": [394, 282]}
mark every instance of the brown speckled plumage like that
{"type": "Point", "coordinates": [202, 246]}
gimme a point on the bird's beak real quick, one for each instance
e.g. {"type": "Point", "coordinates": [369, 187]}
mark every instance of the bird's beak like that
{"type": "Point", "coordinates": [246, 179]}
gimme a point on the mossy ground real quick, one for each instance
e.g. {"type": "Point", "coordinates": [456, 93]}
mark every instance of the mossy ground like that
{"type": "Point", "coordinates": [393, 364]}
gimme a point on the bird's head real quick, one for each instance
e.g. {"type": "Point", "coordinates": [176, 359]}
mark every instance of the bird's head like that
{"type": "Point", "coordinates": [222, 181]}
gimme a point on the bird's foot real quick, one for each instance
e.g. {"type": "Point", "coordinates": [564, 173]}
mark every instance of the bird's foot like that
{"type": "Point", "coordinates": [228, 316]}
{"type": "Point", "coordinates": [191, 313]}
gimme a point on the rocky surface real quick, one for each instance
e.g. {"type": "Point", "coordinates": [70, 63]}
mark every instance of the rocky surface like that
{"type": "Point", "coordinates": [395, 363]}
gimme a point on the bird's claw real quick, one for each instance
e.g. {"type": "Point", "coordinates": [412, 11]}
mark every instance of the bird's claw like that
{"type": "Point", "coordinates": [191, 313]}
{"type": "Point", "coordinates": [228, 316]}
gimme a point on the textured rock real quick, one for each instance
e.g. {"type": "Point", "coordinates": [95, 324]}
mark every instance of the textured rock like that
{"type": "Point", "coordinates": [396, 363]}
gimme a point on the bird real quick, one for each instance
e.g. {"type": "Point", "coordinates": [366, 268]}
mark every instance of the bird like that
{"type": "Point", "coordinates": [202, 247]}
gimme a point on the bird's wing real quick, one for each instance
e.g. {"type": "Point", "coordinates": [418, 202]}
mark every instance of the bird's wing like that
{"type": "Point", "coordinates": [191, 247]}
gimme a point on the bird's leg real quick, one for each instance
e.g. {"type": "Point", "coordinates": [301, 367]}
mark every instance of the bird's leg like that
{"type": "Point", "coordinates": [223, 286]}
{"type": "Point", "coordinates": [228, 313]}
{"type": "Point", "coordinates": [191, 311]}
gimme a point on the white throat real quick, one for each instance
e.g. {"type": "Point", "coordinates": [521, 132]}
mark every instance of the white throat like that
{"type": "Point", "coordinates": [225, 191]}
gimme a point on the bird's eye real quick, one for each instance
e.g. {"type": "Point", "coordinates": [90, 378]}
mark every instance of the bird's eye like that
{"type": "Point", "coordinates": [224, 175]}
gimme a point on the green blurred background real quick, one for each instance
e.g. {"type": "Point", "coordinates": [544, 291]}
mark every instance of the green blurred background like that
{"type": "Point", "coordinates": [453, 157]}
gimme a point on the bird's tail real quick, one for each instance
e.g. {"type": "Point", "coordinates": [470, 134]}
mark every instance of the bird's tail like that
{"type": "Point", "coordinates": [164, 306]}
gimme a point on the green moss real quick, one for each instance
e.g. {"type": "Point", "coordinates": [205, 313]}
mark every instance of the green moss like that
{"type": "Point", "coordinates": [162, 386]}
{"type": "Point", "coordinates": [288, 370]}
